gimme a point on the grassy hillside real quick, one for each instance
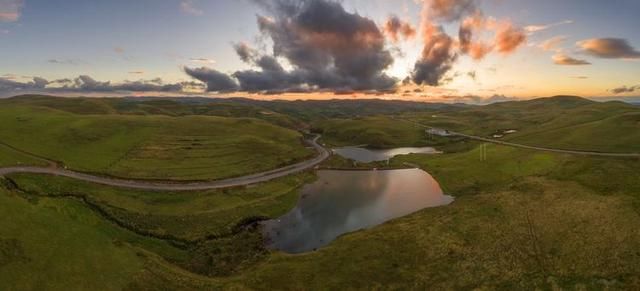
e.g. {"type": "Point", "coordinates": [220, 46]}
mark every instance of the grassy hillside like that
{"type": "Point", "coordinates": [153, 146]}
{"type": "Point", "coordinates": [11, 157]}
{"type": "Point", "coordinates": [521, 219]}
{"type": "Point", "coordinates": [72, 225]}
{"type": "Point", "coordinates": [375, 132]}
{"type": "Point", "coordinates": [184, 216]}
{"type": "Point", "coordinates": [155, 106]}
{"type": "Point", "coordinates": [313, 110]}
{"type": "Point", "coordinates": [562, 122]}
{"type": "Point", "coordinates": [61, 245]}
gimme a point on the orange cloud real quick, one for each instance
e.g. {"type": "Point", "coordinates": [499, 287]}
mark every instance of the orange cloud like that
{"type": "Point", "coordinates": [396, 29]}
{"type": "Point", "coordinates": [508, 37]}
{"type": "Point", "coordinates": [537, 28]}
{"type": "Point", "coordinates": [562, 59]}
{"type": "Point", "coordinates": [552, 43]}
{"type": "Point", "coordinates": [449, 10]}
{"type": "Point", "coordinates": [469, 28]}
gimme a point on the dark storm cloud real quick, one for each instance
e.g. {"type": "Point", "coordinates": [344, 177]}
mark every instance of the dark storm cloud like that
{"type": "Point", "coordinates": [245, 52]}
{"type": "Point", "coordinates": [7, 84]}
{"type": "Point", "coordinates": [625, 89]}
{"type": "Point", "coordinates": [328, 47]}
{"type": "Point", "coordinates": [216, 81]}
{"type": "Point", "coordinates": [88, 84]}
{"type": "Point", "coordinates": [270, 77]}
{"type": "Point", "coordinates": [609, 48]}
{"type": "Point", "coordinates": [438, 56]}
{"type": "Point", "coordinates": [40, 83]}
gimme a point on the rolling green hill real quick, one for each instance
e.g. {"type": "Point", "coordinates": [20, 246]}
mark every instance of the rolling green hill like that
{"type": "Point", "coordinates": [190, 147]}
{"type": "Point", "coordinates": [154, 106]}
{"type": "Point", "coordinates": [375, 132]}
{"type": "Point", "coordinates": [563, 122]}
{"type": "Point", "coordinates": [521, 219]}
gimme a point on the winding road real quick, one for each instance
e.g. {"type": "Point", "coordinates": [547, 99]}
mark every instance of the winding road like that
{"type": "Point", "coordinates": [323, 154]}
{"type": "Point", "coordinates": [536, 148]}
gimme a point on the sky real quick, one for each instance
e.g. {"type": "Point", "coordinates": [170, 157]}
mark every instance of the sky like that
{"type": "Point", "coordinates": [474, 51]}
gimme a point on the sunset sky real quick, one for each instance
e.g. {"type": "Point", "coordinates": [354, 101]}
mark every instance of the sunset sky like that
{"type": "Point", "coordinates": [431, 50]}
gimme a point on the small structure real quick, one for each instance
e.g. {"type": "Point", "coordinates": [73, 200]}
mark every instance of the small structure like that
{"type": "Point", "coordinates": [438, 132]}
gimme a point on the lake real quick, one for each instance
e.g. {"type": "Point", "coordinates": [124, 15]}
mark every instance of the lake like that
{"type": "Point", "coordinates": [365, 155]}
{"type": "Point", "coordinates": [345, 201]}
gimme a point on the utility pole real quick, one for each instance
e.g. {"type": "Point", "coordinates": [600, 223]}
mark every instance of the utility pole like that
{"type": "Point", "coordinates": [483, 152]}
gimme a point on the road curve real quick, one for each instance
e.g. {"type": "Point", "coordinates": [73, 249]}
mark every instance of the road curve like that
{"type": "Point", "coordinates": [323, 154]}
{"type": "Point", "coordinates": [516, 145]}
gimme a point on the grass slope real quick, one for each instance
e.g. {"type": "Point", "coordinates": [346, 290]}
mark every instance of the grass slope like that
{"type": "Point", "coordinates": [564, 122]}
{"type": "Point", "coordinates": [152, 147]}
{"type": "Point", "coordinates": [61, 245]}
{"type": "Point", "coordinates": [375, 132]}
{"type": "Point", "coordinates": [10, 157]}
{"type": "Point", "coordinates": [521, 220]}
{"type": "Point", "coordinates": [154, 106]}
{"type": "Point", "coordinates": [188, 216]}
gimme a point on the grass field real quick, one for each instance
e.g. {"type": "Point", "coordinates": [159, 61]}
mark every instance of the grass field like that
{"type": "Point", "coordinates": [154, 106]}
{"type": "Point", "coordinates": [521, 220]}
{"type": "Point", "coordinates": [207, 232]}
{"type": "Point", "coordinates": [375, 132]}
{"type": "Point", "coordinates": [559, 122]}
{"type": "Point", "coordinates": [152, 147]}
{"type": "Point", "coordinates": [186, 216]}
{"type": "Point", "coordinates": [61, 245]}
{"type": "Point", "coordinates": [11, 157]}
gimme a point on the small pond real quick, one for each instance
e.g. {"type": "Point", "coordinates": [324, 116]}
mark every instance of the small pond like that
{"type": "Point", "coordinates": [345, 201]}
{"type": "Point", "coordinates": [365, 155]}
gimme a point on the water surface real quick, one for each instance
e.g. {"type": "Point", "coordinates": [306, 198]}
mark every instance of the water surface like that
{"type": "Point", "coordinates": [365, 155]}
{"type": "Point", "coordinates": [345, 201]}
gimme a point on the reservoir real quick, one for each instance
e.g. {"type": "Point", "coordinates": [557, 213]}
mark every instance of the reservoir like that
{"type": "Point", "coordinates": [340, 202]}
{"type": "Point", "coordinates": [365, 155]}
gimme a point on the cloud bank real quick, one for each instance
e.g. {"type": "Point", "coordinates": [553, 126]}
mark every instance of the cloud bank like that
{"type": "Point", "coordinates": [562, 59]}
{"type": "Point", "coordinates": [87, 84]}
{"type": "Point", "coordinates": [326, 47]}
{"type": "Point", "coordinates": [625, 89]}
{"type": "Point", "coordinates": [609, 48]}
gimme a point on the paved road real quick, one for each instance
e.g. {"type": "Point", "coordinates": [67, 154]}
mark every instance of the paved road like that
{"type": "Point", "coordinates": [583, 153]}
{"type": "Point", "coordinates": [323, 154]}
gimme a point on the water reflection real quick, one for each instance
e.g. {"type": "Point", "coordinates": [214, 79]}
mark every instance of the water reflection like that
{"type": "Point", "coordinates": [364, 155]}
{"type": "Point", "coordinates": [345, 201]}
